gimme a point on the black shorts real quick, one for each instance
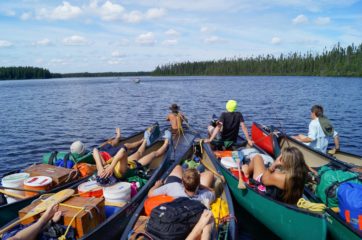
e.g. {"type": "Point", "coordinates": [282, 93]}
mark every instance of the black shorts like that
{"type": "Point", "coordinates": [173, 179]}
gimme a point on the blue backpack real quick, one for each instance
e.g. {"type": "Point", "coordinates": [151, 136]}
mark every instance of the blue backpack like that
{"type": "Point", "coordinates": [350, 203]}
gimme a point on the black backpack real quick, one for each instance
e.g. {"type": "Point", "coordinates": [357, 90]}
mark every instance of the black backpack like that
{"type": "Point", "coordinates": [174, 220]}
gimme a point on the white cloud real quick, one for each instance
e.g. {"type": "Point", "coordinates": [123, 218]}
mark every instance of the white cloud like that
{"type": "Point", "coordinates": [146, 39]}
{"type": "Point", "coordinates": [117, 54]}
{"type": "Point", "coordinates": [300, 19]}
{"type": "Point", "coordinates": [213, 39]}
{"type": "Point", "coordinates": [276, 40]}
{"type": "Point", "coordinates": [75, 40]}
{"type": "Point", "coordinates": [170, 42]}
{"type": "Point", "coordinates": [172, 33]}
{"type": "Point", "coordinates": [133, 17]}
{"type": "Point", "coordinates": [58, 61]}
{"type": "Point", "coordinates": [43, 42]}
{"type": "Point", "coordinates": [111, 11]}
{"type": "Point", "coordinates": [9, 13]}
{"type": "Point", "coordinates": [62, 12]}
{"type": "Point", "coordinates": [205, 30]}
{"type": "Point", "coordinates": [114, 62]}
{"type": "Point", "coordinates": [25, 16]}
{"type": "Point", "coordinates": [4, 44]}
{"type": "Point", "coordinates": [154, 13]}
{"type": "Point", "coordinates": [322, 20]}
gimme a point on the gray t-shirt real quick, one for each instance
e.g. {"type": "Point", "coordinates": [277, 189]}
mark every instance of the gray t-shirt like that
{"type": "Point", "coordinates": [176, 190]}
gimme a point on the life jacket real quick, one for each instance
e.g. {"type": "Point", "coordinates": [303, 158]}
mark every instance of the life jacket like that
{"type": "Point", "coordinates": [174, 220]}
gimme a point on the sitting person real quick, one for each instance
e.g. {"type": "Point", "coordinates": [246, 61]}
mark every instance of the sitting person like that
{"type": "Point", "coordinates": [50, 216]}
{"type": "Point", "coordinates": [189, 183]}
{"type": "Point", "coordinates": [175, 118]}
{"type": "Point", "coordinates": [114, 160]}
{"type": "Point", "coordinates": [288, 174]}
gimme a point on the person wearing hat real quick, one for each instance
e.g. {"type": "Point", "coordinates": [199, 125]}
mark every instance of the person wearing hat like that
{"type": "Point", "coordinates": [230, 122]}
{"type": "Point", "coordinates": [175, 117]}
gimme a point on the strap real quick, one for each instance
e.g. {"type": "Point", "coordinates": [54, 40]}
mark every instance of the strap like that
{"type": "Point", "coordinates": [334, 186]}
{"type": "Point", "coordinates": [66, 159]}
{"type": "Point", "coordinates": [53, 155]}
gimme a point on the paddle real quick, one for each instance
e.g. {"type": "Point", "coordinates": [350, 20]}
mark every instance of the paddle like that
{"type": "Point", "coordinates": [212, 170]}
{"type": "Point", "coordinates": [20, 189]}
{"type": "Point", "coordinates": [11, 194]}
{"type": "Point", "coordinates": [241, 184]}
{"type": "Point", "coordinates": [54, 199]}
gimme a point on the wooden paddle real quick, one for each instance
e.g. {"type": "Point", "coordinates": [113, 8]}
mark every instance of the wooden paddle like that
{"type": "Point", "coordinates": [212, 170]}
{"type": "Point", "coordinates": [11, 194]}
{"type": "Point", "coordinates": [54, 199]}
{"type": "Point", "coordinates": [21, 189]}
{"type": "Point", "coordinates": [241, 184]}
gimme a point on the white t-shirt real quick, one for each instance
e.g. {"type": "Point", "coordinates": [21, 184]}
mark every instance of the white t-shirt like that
{"type": "Point", "coordinates": [320, 140]}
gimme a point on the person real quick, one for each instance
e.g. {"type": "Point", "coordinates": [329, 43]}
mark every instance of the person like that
{"type": "Point", "coordinates": [50, 216]}
{"type": "Point", "coordinates": [176, 118]}
{"type": "Point", "coordinates": [113, 162]}
{"type": "Point", "coordinates": [230, 122]}
{"type": "Point", "coordinates": [189, 183]}
{"type": "Point", "coordinates": [203, 228]}
{"type": "Point", "coordinates": [286, 175]}
{"type": "Point", "coordinates": [320, 129]}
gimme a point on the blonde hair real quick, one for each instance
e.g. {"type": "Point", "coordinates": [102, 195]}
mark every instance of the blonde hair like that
{"type": "Point", "coordinates": [296, 171]}
{"type": "Point", "coordinates": [191, 179]}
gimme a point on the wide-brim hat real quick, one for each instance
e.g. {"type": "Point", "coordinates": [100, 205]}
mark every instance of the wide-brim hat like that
{"type": "Point", "coordinates": [174, 107]}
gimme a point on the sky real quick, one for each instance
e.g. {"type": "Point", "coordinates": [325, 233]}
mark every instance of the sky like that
{"type": "Point", "coordinates": [139, 35]}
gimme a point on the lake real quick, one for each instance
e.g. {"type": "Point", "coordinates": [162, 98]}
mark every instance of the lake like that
{"type": "Point", "coordinates": [38, 116]}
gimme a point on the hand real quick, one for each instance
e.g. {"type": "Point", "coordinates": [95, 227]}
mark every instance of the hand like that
{"type": "Point", "coordinates": [207, 140]}
{"type": "Point", "coordinates": [106, 172]}
{"type": "Point", "coordinates": [49, 213]}
{"type": "Point", "coordinates": [206, 217]}
{"type": "Point", "coordinates": [158, 183]}
{"type": "Point", "coordinates": [250, 142]}
{"type": "Point", "coordinates": [57, 216]}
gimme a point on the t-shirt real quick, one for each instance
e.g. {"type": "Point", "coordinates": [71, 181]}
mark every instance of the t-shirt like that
{"type": "Point", "coordinates": [319, 139]}
{"type": "Point", "coordinates": [176, 190]}
{"type": "Point", "coordinates": [231, 123]}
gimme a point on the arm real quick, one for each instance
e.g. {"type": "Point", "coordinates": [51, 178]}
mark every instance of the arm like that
{"type": "Point", "coordinates": [214, 133]}
{"type": "Point", "coordinates": [336, 141]}
{"type": "Point", "coordinates": [245, 130]}
{"type": "Point", "coordinates": [168, 117]}
{"type": "Point", "coordinates": [204, 224]}
{"type": "Point", "coordinates": [157, 187]}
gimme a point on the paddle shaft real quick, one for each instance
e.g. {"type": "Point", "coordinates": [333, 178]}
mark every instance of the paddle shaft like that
{"type": "Point", "coordinates": [212, 170]}
{"type": "Point", "coordinates": [11, 194]}
{"type": "Point", "coordinates": [21, 189]}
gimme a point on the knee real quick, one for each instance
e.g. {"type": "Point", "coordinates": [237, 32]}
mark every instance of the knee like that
{"type": "Point", "coordinates": [95, 151]}
{"type": "Point", "coordinates": [257, 157]}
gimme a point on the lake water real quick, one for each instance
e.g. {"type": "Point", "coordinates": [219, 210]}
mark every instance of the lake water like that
{"type": "Point", "coordinates": [38, 116]}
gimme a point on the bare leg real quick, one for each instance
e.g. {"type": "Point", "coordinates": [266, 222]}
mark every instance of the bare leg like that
{"type": "Point", "coordinates": [99, 160]}
{"type": "Point", "coordinates": [115, 141]}
{"type": "Point", "coordinates": [255, 167]}
{"type": "Point", "coordinates": [206, 178]}
{"type": "Point", "coordinates": [133, 144]}
{"type": "Point", "coordinates": [137, 155]}
{"type": "Point", "coordinates": [177, 172]}
{"type": "Point", "coordinates": [149, 157]}
{"type": "Point", "coordinates": [121, 156]}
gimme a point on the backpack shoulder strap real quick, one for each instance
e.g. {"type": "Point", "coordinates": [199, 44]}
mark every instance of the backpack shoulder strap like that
{"type": "Point", "coordinates": [52, 157]}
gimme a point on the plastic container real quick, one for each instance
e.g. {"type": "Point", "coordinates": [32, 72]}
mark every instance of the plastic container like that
{"type": "Point", "coordinates": [228, 162]}
{"type": "Point", "coordinates": [37, 183]}
{"type": "Point", "coordinates": [118, 193]}
{"type": "Point", "coordinates": [90, 189]}
{"type": "Point", "coordinates": [14, 181]}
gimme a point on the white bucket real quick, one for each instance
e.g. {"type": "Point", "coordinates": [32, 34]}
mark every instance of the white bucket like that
{"type": "Point", "coordinates": [14, 181]}
{"type": "Point", "coordinates": [118, 193]}
{"type": "Point", "coordinates": [228, 162]}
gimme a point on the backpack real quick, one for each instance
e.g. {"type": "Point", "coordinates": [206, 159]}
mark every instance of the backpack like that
{"type": "Point", "coordinates": [174, 220]}
{"type": "Point", "coordinates": [350, 203]}
{"type": "Point", "coordinates": [329, 182]}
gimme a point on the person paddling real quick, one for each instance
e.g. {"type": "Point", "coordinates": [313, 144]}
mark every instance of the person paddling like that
{"type": "Point", "coordinates": [176, 118]}
{"type": "Point", "coordinates": [320, 130]}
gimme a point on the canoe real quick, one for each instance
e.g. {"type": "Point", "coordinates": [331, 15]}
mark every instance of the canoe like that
{"type": "Point", "coordinates": [264, 138]}
{"type": "Point", "coordinates": [337, 228]}
{"type": "Point", "coordinates": [137, 222]}
{"type": "Point", "coordinates": [285, 220]}
{"type": "Point", "coordinates": [10, 211]}
{"type": "Point", "coordinates": [114, 224]}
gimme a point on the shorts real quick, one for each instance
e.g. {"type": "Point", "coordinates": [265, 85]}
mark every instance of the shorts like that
{"type": "Point", "coordinates": [261, 187]}
{"type": "Point", "coordinates": [173, 179]}
{"type": "Point", "coordinates": [220, 144]}
{"type": "Point", "coordinates": [133, 166]}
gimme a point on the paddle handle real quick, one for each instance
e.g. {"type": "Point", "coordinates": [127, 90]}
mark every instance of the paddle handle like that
{"type": "Point", "coordinates": [20, 189]}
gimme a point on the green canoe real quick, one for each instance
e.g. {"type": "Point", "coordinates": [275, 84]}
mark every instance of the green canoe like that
{"type": "Point", "coordinates": [286, 221]}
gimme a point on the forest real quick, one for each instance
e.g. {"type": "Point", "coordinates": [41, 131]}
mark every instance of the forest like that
{"type": "Point", "coordinates": [338, 61]}
{"type": "Point", "coordinates": [24, 73]}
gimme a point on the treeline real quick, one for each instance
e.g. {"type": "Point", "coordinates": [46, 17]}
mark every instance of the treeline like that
{"type": "Point", "coordinates": [9, 73]}
{"type": "Point", "coordinates": [104, 74]}
{"type": "Point", "coordinates": [338, 61]}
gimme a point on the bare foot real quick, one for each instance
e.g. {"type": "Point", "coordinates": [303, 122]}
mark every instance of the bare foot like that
{"type": "Point", "coordinates": [118, 133]}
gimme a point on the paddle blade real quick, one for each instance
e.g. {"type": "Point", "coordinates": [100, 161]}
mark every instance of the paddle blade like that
{"type": "Point", "coordinates": [241, 184]}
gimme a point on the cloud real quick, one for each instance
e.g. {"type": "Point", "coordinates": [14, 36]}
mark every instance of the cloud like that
{"type": "Point", "coordinates": [58, 61]}
{"type": "Point", "coordinates": [170, 42]}
{"type": "Point", "coordinates": [133, 17]}
{"type": "Point", "coordinates": [172, 33]}
{"type": "Point", "coordinates": [154, 13]}
{"type": "Point", "coordinates": [62, 12]}
{"type": "Point", "coordinates": [300, 19]}
{"type": "Point", "coordinates": [75, 40]}
{"type": "Point", "coordinates": [110, 11]}
{"type": "Point", "coordinates": [205, 29]}
{"type": "Point", "coordinates": [9, 13]}
{"type": "Point", "coordinates": [213, 39]}
{"type": "Point", "coordinates": [43, 42]}
{"type": "Point", "coordinates": [114, 62]}
{"type": "Point", "coordinates": [276, 40]}
{"type": "Point", "coordinates": [146, 39]}
{"type": "Point", "coordinates": [5, 44]}
{"type": "Point", "coordinates": [322, 20]}
{"type": "Point", "coordinates": [117, 54]}
{"type": "Point", "coordinates": [26, 16]}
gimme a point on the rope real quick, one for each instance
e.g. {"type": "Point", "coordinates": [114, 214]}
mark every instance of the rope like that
{"type": "Point", "coordinates": [63, 237]}
{"type": "Point", "coordinates": [314, 207]}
